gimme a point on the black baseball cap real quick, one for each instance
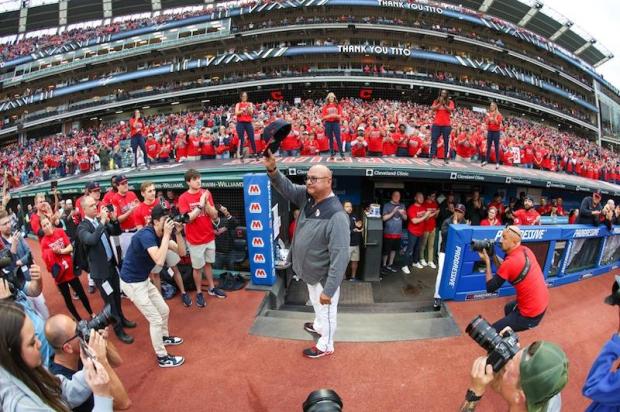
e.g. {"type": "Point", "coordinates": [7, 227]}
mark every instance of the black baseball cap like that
{"type": "Point", "coordinates": [120, 179]}
{"type": "Point", "coordinates": [158, 212]}
{"type": "Point", "coordinates": [614, 298]}
{"type": "Point", "coordinates": [93, 186]}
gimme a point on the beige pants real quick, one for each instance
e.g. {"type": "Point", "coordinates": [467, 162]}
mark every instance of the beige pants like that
{"type": "Point", "coordinates": [429, 249]}
{"type": "Point", "coordinates": [151, 304]}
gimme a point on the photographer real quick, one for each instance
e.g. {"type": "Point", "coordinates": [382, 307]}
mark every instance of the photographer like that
{"type": "Point", "coordinates": [145, 257]}
{"type": "Point", "coordinates": [522, 270]}
{"type": "Point", "coordinates": [25, 385]}
{"type": "Point", "coordinates": [602, 384]}
{"type": "Point", "coordinates": [531, 381]}
{"type": "Point", "coordinates": [142, 217]}
{"type": "Point", "coordinates": [11, 289]}
{"type": "Point", "coordinates": [61, 332]}
{"type": "Point", "coordinates": [21, 258]}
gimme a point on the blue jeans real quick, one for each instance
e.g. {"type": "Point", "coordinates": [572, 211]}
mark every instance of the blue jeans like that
{"type": "Point", "coordinates": [493, 137]}
{"type": "Point", "coordinates": [138, 140]}
{"type": "Point", "coordinates": [246, 128]}
{"type": "Point", "coordinates": [332, 131]}
{"type": "Point", "coordinates": [437, 131]}
{"type": "Point", "coordinates": [413, 248]}
{"type": "Point", "coordinates": [294, 152]}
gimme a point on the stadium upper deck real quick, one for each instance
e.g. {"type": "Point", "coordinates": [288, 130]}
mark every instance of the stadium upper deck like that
{"type": "Point", "coordinates": [531, 69]}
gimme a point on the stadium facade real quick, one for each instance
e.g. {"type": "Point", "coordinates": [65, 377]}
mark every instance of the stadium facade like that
{"type": "Point", "coordinates": [183, 55]}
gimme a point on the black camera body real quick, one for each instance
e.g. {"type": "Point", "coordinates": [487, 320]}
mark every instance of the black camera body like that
{"type": "Point", "coordinates": [177, 216]}
{"type": "Point", "coordinates": [484, 244]}
{"type": "Point", "coordinates": [323, 400]}
{"type": "Point", "coordinates": [500, 348]}
{"type": "Point", "coordinates": [103, 319]}
{"type": "Point", "coordinates": [109, 208]}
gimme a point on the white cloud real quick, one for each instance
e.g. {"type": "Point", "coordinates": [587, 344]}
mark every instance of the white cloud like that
{"type": "Point", "coordinates": [600, 19]}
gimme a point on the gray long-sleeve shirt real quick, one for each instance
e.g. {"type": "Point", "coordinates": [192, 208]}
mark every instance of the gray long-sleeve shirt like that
{"type": "Point", "coordinates": [15, 396]}
{"type": "Point", "coordinates": [320, 248]}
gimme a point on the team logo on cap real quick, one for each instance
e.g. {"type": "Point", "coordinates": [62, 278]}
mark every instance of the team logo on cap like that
{"type": "Point", "coordinates": [258, 242]}
{"type": "Point", "coordinates": [259, 258]}
{"type": "Point", "coordinates": [256, 225]}
{"type": "Point", "coordinates": [255, 207]}
{"type": "Point", "coordinates": [254, 190]}
{"type": "Point", "coordinates": [260, 273]}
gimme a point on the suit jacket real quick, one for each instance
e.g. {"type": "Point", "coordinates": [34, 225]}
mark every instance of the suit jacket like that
{"type": "Point", "coordinates": [90, 238]}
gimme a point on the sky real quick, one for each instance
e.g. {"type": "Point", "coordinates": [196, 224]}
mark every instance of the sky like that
{"type": "Point", "coordinates": [600, 19]}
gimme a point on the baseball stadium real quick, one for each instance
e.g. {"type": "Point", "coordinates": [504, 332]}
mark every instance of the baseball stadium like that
{"type": "Point", "coordinates": [470, 149]}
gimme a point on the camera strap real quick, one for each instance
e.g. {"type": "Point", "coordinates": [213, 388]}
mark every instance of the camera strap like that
{"type": "Point", "coordinates": [524, 271]}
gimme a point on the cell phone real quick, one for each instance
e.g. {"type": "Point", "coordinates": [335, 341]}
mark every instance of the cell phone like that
{"type": "Point", "coordinates": [89, 353]}
{"type": "Point", "coordinates": [54, 184]}
{"type": "Point", "coordinates": [218, 206]}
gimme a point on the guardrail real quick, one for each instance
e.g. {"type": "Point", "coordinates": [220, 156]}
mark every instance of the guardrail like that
{"type": "Point", "coordinates": [566, 254]}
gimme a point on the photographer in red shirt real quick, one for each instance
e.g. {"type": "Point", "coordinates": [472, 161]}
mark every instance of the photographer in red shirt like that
{"type": "Point", "coordinates": [522, 270]}
{"type": "Point", "coordinates": [443, 107]}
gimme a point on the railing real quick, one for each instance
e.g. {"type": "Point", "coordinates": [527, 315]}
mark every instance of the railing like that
{"type": "Point", "coordinates": [565, 253]}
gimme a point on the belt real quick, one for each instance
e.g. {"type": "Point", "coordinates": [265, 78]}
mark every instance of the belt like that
{"type": "Point", "coordinates": [130, 230]}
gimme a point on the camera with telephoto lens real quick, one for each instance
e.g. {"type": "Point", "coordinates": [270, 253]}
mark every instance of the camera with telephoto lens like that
{"type": "Point", "coordinates": [484, 244]}
{"type": "Point", "coordinates": [500, 348]}
{"type": "Point", "coordinates": [14, 278]}
{"type": "Point", "coordinates": [99, 322]}
{"type": "Point", "coordinates": [177, 216]}
{"type": "Point", "coordinates": [323, 400]}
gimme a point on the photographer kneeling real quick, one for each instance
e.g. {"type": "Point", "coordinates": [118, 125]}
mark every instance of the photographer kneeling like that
{"type": "Point", "coordinates": [529, 379]}
{"type": "Point", "coordinates": [25, 385]}
{"type": "Point", "coordinates": [522, 270]}
{"type": "Point", "coordinates": [145, 257]}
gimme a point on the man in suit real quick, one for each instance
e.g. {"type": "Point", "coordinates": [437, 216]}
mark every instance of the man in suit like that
{"type": "Point", "coordinates": [94, 232]}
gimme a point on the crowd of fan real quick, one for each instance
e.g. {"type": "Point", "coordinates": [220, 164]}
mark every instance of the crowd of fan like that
{"type": "Point", "coordinates": [368, 128]}
{"type": "Point", "coordinates": [30, 45]}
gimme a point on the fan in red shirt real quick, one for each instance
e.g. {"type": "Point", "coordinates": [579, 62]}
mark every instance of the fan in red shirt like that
{"type": "Point", "coordinates": [180, 146]}
{"type": "Point", "coordinates": [374, 137]}
{"type": "Point", "coordinates": [527, 216]}
{"type": "Point", "coordinates": [544, 207]}
{"type": "Point", "coordinates": [56, 250]}
{"type": "Point", "coordinates": [207, 145]}
{"type": "Point", "coordinates": [401, 141]}
{"type": "Point", "coordinates": [465, 146]}
{"type": "Point", "coordinates": [390, 143]}
{"type": "Point", "coordinates": [152, 147]}
{"type": "Point", "coordinates": [321, 140]}
{"type": "Point", "coordinates": [428, 241]}
{"type": "Point", "coordinates": [493, 120]}
{"type": "Point", "coordinates": [359, 144]}
{"type": "Point", "coordinates": [244, 112]}
{"type": "Point", "coordinates": [415, 144]}
{"type": "Point", "coordinates": [310, 147]}
{"type": "Point", "coordinates": [137, 132]}
{"type": "Point", "coordinates": [497, 204]}
{"type": "Point", "coordinates": [417, 215]}
{"type": "Point", "coordinates": [199, 206]}
{"type": "Point", "coordinates": [492, 218]}
{"type": "Point", "coordinates": [291, 145]}
{"type": "Point", "coordinates": [522, 270]}
{"type": "Point", "coordinates": [443, 106]}
{"type": "Point", "coordinates": [193, 146]}
{"type": "Point", "coordinates": [331, 115]}
{"type": "Point", "coordinates": [125, 203]}
{"type": "Point", "coordinates": [164, 151]}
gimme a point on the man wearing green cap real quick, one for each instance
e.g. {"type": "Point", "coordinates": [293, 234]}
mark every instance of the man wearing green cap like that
{"type": "Point", "coordinates": [531, 381]}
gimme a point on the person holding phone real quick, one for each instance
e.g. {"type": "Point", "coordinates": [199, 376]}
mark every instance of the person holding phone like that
{"type": "Point", "coordinates": [137, 126]}
{"type": "Point", "coordinates": [145, 258]}
{"type": "Point", "coordinates": [26, 385]}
